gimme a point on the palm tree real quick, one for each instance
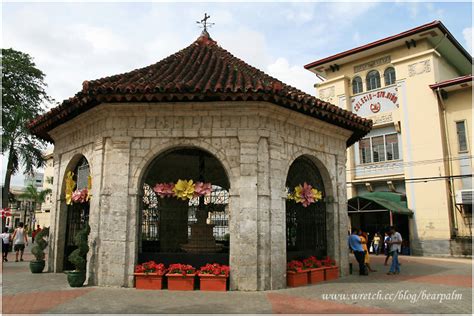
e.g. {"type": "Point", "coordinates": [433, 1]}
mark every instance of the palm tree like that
{"type": "Point", "coordinates": [32, 194]}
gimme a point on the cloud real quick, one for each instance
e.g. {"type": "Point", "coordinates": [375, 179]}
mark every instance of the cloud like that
{"type": "Point", "coordinates": [295, 75]}
{"type": "Point", "coordinates": [467, 34]}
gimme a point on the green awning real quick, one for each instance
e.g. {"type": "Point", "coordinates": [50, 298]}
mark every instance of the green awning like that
{"type": "Point", "coordinates": [379, 201]}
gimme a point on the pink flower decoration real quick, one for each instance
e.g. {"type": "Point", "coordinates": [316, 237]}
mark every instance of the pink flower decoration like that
{"type": "Point", "coordinates": [202, 188]}
{"type": "Point", "coordinates": [164, 189]}
{"type": "Point", "coordinates": [307, 195]}
{"type": "Point", "coordinates": [80, 196]}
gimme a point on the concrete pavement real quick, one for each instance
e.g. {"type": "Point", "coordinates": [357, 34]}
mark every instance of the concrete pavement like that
{"type": "Point", "coordinates": [425, 285]}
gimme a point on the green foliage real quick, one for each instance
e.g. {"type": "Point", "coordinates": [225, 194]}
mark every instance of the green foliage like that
{"type": "Point", "coordinates": [40, 244]}
{"type": "Point", "coordinates": [78, 256]}
{"type": "Point", "coordinates": [32, 194]}
{"type": "Point", "coordinates": [23, 94]}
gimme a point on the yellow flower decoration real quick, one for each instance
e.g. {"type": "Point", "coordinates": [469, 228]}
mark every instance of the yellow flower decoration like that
{"type": "Point", "coordinates": [89, 187]}
{"type": "Point", "coordinates": [184, 190]}
{"type": "Point", "coordinates": [70, 185]}
{"type": "Point", "coordinates": [298, 195]}
{"type": "Point", "coordinates": [317, 195]}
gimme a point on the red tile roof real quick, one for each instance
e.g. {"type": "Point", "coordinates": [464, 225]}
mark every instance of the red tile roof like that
{"type": "Point", "coordinates": [201, 72]}
{"type": "Point", "coordinates": [451, 82]}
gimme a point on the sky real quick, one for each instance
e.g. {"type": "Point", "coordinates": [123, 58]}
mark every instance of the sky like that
{"type": "Point", "coordinates": [73, 42]}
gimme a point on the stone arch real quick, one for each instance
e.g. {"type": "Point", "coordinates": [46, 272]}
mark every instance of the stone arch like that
{"type": "Point", "coordinates": [61, 222]}
{"type": "Point", "coordinates": [173, 144]}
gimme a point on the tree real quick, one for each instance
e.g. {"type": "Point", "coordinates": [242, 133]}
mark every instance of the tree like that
{"type": "Point", "coordinates": [32, 194]}
{"type": "Point", "coordinates": [23, 94]}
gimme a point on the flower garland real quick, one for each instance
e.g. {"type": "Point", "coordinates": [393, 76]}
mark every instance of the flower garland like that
{"type": "Point", "coordinates": [78, 195]}
{"type": "Point", "coordinates": [305, 194]}
{"type": "Point", "coordinates": [183, 189]}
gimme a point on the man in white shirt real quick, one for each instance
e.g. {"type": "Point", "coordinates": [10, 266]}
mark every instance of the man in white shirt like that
{"type": "Point", "coordinates": [395, 244]}
{"type": "Point", "coordinates": [19, 241]}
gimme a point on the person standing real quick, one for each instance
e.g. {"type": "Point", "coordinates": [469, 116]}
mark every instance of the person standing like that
{"type": "Point", "coordinates": [356, 246]}
{"type": "Point", "coordinates": [34, 233]}
{"type": "Point", "coordinates": [376, 243]}
{"type": "Point", "coordinates": [364, 240]}
{"type": "Point", "coordinates": [386, 247]}
{"type": "Point", "coordinates": [395, 244]}
{"type": "Point", "coordinates": [20, 239]}
{"type": "Point", "coordinates": [5, 243]}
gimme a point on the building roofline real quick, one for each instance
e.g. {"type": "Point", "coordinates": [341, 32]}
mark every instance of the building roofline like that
{"type": "Point", "coordinates": [386, 40]}
{"type": "Point", "coordinates": [451, 82]}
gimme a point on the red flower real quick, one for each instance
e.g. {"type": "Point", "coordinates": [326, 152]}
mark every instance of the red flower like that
{"type": "Point", "coordinates": [215, 269]}
{"type": "Point", "coordinates": [311, 263]}
{"type": "Point", "coordinates": [295, 266]}
{"type": "Point", "coordinates": [328, 262]}
{"type": "Point", "coordinates": [183, 269]}
{"type": "Point", "coordinates": [151, 267]}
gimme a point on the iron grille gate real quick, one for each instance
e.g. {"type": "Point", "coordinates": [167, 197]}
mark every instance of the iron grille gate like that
{"type": "Point", "coordinates": [305, 226]}
{"type": "Point", "coordinates": [77, 214]}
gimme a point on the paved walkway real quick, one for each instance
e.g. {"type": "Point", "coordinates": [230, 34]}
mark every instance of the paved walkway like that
{"type": "Point", "coordinates": [426, 285]}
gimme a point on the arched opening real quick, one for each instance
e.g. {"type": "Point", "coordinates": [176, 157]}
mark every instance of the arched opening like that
{"type": "Point", "coordinates": [77, 205]}
{"type": "Point", "coordinates": [194, 229]}
{"type": "Point", "coordinates": [305, 225]}
{"type": "Point", "coordinates": [373, 80]}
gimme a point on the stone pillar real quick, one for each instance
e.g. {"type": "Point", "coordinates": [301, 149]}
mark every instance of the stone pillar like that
{"type": "Point", "coordinates": [115, 213]}
{"type": "Point", "coordinates": [96, 169]}
{"type": "Point", "coordinates": [244, 228]}
{"type": "Point", "coordinates": [277, 215]}
{"type": "Point", "coordinates": [53, 246]}
{"type": "Point", "coordinates": [263, 216]}
{"type": "Point", "coordinates": [341, 224]}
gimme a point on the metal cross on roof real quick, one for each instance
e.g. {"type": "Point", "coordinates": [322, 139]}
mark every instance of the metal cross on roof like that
{"type": "Point", "coordinates": [204, 22]}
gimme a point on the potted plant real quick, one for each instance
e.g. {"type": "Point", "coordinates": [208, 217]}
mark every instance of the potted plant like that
{"type": "Point", "coordinates": [77, 277]}
{"type": "Point", "coordinates": [37, 265]}
{"type": "Point", "coordinates": [213, 277]}
{"type": "Point", "coordinates": [331, 271]}
{"type": "Point", "coordinates": [181, 277]}
{"type": "Point", "coordinates": [149, 276]}
{"type": "Point", "coordinates": [316, 273]}
{"type": "Point", "coordinates": [296, 274]}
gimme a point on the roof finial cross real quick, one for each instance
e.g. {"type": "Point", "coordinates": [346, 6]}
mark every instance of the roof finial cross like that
{"type": "Point", "coordinates": [204, 22]}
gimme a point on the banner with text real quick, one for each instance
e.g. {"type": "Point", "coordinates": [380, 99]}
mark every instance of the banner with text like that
{"type": "Point", "coordinates": [375, 102]}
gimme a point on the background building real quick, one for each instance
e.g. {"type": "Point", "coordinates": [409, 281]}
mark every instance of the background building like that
{"type": "Point", "coordinates": [42, 215]}
{"type": "Point", "coordinates": [416, 87]}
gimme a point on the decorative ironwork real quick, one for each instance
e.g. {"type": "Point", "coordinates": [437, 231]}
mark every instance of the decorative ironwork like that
{"type": "Point", "coordinates": [305, 226]}
{"type": "Point", "coordinates": [204, 22]}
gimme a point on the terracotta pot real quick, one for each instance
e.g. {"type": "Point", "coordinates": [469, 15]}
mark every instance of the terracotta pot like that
{"type": "Point", "coordinates": [150, 281]}
{"type": "Point", "coordinates": [210, 282]}
{"type": "Point", "coordinates": [294, 279]}
{"type": "Point", "coordinates": [316, 275]}
{"type": "Point", "coordinates": [331, 273]}
{"type": "Point", "coordinates": [179, 282]}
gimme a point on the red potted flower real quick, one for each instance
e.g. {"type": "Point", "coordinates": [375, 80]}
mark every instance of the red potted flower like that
{"type": "Point", "coordinates": [181, 277]}
{"type": "Point", "coordinates": [331, 270]}
{"type": "Point", "coordinates": [149, 275]}
{"type": "Point", "coordinates": [296, 274]}
{"type": "Point", "coordinates": [316, 272]}
{"type": "Point", "coordinates": [213, 277]}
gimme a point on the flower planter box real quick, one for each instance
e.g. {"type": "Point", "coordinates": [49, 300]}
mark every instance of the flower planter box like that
{"type": "Point", "coordinates": [210, 282]}
{"type": "Point", "coordinates": [316, 275]}
{"type": "Point", "coordinates": [294, 279]}
{"type": "Point", "coordinates": [331, 273]}
{"type": "Point", "coordinates": [179, 282]}
{"type": "Point", "coordinates": [150, 281]}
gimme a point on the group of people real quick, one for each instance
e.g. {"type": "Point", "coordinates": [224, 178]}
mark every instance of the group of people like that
{"type": "Point", "coordinates": [19, 238]}
{"type": "Point", "coordinates": [358, 242]}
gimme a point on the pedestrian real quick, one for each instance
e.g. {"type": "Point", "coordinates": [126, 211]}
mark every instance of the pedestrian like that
{"type": "Point", "coordinates": [34, 233]}
{"type": "Point", "coordinates": [376, 243]}
{"type": "Point", "coordinates": [20, 239]}
{"type": "Point", "coordinates": [356, 246]}
{"type": "Point", "coordinates": [364, 239]}
{"type": "Point", "coordinates": [5, 243]}
{"type": "Point", "coordinates": [395, 244]}
{"type": "Point", "coordinates": [386, 247]}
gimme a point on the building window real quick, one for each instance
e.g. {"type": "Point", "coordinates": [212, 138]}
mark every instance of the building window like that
{"type": "Point", "coordinates": [379, 148]}
{"type": "Point", "coordinates": [364, 151]}
{"type": "Point", "coordinates": [389, 75]}
{"type": "Point", "coordinates": [461, 131]}
{"type": "Point", "coordinates": [373, 80]}
{"type": "Point", "coordinates": [357, 85]}
{"type": "Point", "coordinates": [378, 152]}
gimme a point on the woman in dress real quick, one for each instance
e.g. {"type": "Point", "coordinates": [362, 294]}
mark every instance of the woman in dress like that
{"type": "Point", "coordinates": [364, 240]}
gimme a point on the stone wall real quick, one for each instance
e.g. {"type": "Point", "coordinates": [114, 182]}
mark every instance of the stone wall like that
{"type": "Point", "coordinates": [256, 142]}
